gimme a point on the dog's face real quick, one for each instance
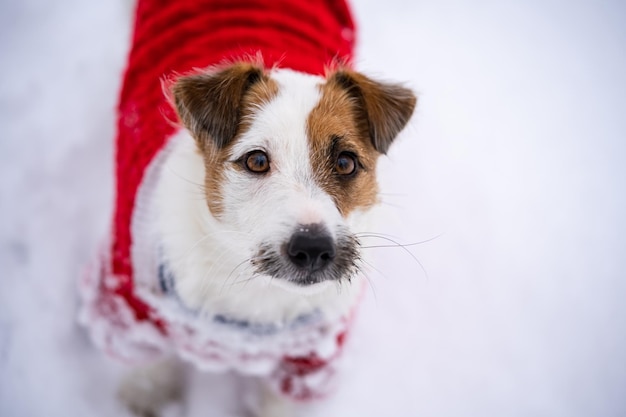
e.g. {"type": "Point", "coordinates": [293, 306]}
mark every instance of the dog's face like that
{"type": "Point", "coordinates": [290, 161]}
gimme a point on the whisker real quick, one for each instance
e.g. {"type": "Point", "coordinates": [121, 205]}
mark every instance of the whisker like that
{"type": "Point", "coordinates": [398, 244]}
{"type": "Point", "coordinates": [369, 280]}
{"type": "Point", "coordinates": [231, 274]}
{"type": "Point", "coordinates": [381, 236]}
{"type": "Point", "coordinates": [195, 245]}
{"type": "Point", "coordinates": [207, 283]}
{"type": "Point", "coordinates": [370, 265]}
{"type": "Point", "coordinates": [339, 286]}
{"type": "Point", "coordinates": [388, 204]}
{"type": "Point", "coordinates": [202, 186]}
{"type": "Point", "coordinates": [246, 281]}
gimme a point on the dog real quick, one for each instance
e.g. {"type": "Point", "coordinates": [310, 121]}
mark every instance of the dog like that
{"type": "Point", "coordinates": [241, 194]}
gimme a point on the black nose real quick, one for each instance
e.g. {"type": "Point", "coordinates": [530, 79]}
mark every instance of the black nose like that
{"type": "Point", "coordinates": [311, 247]}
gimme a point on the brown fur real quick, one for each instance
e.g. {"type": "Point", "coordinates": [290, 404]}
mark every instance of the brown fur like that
{"type": "Point", "coordinates": [385, 107]}
{"type": "Point", "coordinates": [355, 114]}
{"type": "Point", "coordinates": [361, 116]}
{"type": "Point", "coordinates": [215, 107]}
{"type": "Point", "coordinates": [333, 127]}
{"type": "Point", "coordinates": [209, 103]}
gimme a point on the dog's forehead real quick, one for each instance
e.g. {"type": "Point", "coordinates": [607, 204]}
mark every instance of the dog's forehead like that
{"type": "Point", "coordinates": [278, 125]}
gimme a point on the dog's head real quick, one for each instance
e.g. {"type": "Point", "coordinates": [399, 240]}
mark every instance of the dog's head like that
{"type": "Point", "coordinates": [290, 160]}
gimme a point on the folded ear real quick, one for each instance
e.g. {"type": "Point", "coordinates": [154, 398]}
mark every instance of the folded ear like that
{"type": "Point", "coordinates": [386, 107]}
{"type": "Point", "coordinates": [209, 104]}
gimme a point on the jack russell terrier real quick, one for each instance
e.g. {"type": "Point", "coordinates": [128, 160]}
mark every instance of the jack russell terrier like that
{"type": "Point", "coordinates": [242, 189]}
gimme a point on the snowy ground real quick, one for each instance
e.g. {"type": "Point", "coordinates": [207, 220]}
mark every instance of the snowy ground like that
{"type": "Point", "coordinates": [515, 157]}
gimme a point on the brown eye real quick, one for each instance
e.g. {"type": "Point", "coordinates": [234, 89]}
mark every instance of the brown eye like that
{"type": "Point", "coordinates": [257, 162]}
{"type": "Point", "coordinates": [346, 163]}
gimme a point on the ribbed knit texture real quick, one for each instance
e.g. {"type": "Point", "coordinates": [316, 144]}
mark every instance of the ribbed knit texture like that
{"type": "Point", "coordinates": [176, 36]}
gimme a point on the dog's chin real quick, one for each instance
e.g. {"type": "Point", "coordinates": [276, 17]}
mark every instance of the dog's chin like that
{"type": "Point", "coordinates": [300, 288]}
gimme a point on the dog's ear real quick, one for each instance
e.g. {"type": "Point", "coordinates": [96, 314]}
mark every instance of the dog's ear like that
{"type": "Point", "coordinates": [209, 104]}
{"type": "Point", "coordinates": [386, 107]}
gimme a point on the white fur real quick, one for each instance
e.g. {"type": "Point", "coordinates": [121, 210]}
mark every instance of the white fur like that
{"type": "Point", "coordinates": [210, 257]}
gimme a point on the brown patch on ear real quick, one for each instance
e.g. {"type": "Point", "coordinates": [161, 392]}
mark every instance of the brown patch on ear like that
{"type": "Point", "coordinates": [386, 107]}
{"type": "Point", "coordinates": [217, 107]}
{"type": "Point", "coordinates": [210, 104]}
{"type": "Point", "coordinates": [337, 125]}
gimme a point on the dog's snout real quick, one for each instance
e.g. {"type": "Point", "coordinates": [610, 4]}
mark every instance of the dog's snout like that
{"type": "Point", "coordinates": [311, 247]}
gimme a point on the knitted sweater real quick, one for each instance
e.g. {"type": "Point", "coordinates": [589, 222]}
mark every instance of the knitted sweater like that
{"type": "Point", "coordinates": [139, 320]}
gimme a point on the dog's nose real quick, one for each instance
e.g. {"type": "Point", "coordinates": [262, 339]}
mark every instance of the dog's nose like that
{"type": "Point", "coordinates": [311, 247]}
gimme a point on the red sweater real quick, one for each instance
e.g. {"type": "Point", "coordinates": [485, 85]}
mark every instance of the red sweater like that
{"type": "Point", "coordinates": [176, 36]}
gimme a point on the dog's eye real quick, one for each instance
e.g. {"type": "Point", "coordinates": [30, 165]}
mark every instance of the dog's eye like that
{"type": "Point", "coordinates": [257, 162]}
{"type": "Point", "coordinates": [346, 163]}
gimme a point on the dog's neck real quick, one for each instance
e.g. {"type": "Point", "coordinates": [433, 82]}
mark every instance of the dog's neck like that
{"type": "Point", "coordinates": [167, 283]}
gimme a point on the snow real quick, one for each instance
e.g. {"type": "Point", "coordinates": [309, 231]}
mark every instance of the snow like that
{"type": "Point", "coordinates": [514, 160]}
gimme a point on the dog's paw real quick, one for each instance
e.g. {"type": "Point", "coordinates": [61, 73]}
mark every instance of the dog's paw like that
{"type": "Point", "coordinates": [154, 391]}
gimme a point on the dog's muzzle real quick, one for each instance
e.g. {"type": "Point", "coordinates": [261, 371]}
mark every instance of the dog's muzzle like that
{"type": "Point", "coordinates": [311, 255]}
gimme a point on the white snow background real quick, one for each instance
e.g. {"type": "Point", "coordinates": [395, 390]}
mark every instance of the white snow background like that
{"type": "Point", "coordinates": [515, 158]}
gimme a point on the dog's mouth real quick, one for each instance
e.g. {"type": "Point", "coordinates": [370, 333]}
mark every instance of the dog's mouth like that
{"type": "Point", "coordinates": [309, 257]}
